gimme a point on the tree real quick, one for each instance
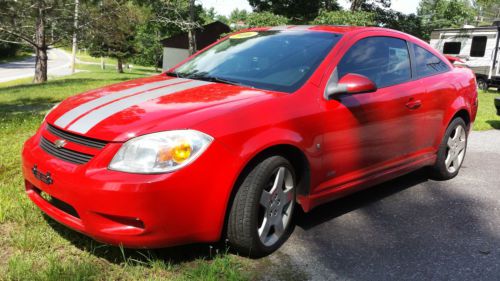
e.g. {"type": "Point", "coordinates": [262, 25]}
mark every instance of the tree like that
{"type": "Point", "coordinates": [149, 47]}
{"type": "Point", "coordinates": [238, 15]}
{"type": "Point", "coordinates": [181, 15]}
{"type": "Point", "coordinates": [445, 13]}
{"type": "Point", "coordinates": [298, 11]}
{"type": "Point", "coordinates": [29, 22]}
{"type": "Point", "coordinates": [113, 30]}
{"type": "Point", "coordinates": [357, 5]}
{"type": "Point", "coordinates": [358, 18]}
{"type": "Point", "coordinates": [265, 19]}
{"type": "Point", "coordinates": [388, 18]}
{"type": "Point", "coordinates": [75, 41]}
{"type": "Point", "coordinates": [488, 11]}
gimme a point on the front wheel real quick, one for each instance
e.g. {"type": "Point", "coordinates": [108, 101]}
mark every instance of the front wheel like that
{"type": "Point", "coordinates": [260, 219]}
{"type": "Point", "coordinates": [451, 152]}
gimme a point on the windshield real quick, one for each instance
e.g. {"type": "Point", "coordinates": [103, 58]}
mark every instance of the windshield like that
{"type": "Point", "coordinates": [270, 60]}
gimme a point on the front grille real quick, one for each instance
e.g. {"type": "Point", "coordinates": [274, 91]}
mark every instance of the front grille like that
{"type": "Point", "coordinates": [76, 138]}
{"type": "Point", "coordinates": [63, 153]}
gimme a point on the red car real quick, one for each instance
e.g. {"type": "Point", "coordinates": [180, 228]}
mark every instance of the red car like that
{"type": "Point", "coordinates": [228, 143]}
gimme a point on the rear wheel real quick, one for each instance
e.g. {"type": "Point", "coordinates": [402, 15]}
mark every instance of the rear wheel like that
{"type": "Point", "coordinates": [451, 152]}
{"type": "Point", "coordinates": [260, 219]}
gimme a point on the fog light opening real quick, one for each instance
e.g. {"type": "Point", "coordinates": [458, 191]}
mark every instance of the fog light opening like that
{"type": "Point", "coordinates": [127, 221]}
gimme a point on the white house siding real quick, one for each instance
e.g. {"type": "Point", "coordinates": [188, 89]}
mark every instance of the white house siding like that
{"type": "Point", "coordinates": [173, 56]}
{"type": "Point", "coordinates": [480, 65]}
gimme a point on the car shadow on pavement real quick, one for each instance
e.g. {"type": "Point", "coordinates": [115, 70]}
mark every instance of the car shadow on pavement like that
{"type": "Point", "coordinates": [336, 208]}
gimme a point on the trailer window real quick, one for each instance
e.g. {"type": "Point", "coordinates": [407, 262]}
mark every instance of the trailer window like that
{"type": "Point", "coordinates": [478, 47]}
{"type": "Point", "coordinates": [452, 48]}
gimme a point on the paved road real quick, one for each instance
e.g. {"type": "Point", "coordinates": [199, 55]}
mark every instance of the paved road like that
{"type": "Point", "coordinates": [411, 228]}
{"type": "Point", "coordinates": [58, 65]}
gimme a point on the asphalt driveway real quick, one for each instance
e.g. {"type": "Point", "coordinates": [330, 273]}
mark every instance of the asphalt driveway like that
{"type": "Point", "coordinates": [58, 64]}
{"type": "Point", "coordinates": [411, 228]}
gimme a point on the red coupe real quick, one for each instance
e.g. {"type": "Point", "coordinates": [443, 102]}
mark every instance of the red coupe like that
{"type": "Point", "coordinates": [228, 143]}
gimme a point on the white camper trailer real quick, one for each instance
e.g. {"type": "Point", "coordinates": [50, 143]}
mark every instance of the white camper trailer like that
{"type": "Point", "coordinates": [477, 47]}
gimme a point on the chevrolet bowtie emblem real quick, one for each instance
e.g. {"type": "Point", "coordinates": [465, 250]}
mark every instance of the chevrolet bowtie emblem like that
{"type": "Point", "coordinates": [60, 143]}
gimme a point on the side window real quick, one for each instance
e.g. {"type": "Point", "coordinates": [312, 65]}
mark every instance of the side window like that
{"type": "Point", "coordinates": [428, 64]}
{"type": "Point", "coordinates": [385, 60]}
{"type": "Point", "coordinates": [452, 48]}
{"type": "Point", "coordinates": [478, 47]}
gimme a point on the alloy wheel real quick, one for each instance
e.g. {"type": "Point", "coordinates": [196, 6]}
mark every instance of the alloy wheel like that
{"type": "Point", "coordinates": [455, 149]}
{"type": "Point", "coordinates": [276, 201]}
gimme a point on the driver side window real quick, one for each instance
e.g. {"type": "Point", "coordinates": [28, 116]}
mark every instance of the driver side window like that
{"type": "Point", "coordinates": [384, 60]}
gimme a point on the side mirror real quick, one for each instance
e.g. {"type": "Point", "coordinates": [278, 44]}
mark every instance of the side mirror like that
{"type": "Point", "coordinates": [350, 84]}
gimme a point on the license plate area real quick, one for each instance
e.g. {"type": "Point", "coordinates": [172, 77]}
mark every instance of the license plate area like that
{"type": "Point", "coordinates": [45, 178]}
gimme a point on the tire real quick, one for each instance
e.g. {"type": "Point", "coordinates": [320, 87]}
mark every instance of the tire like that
{"type": "Point", "coordinates": [451, 153]}
{"type": "Point", "coordinates": [482, 84]}
{"type": "Point", "coordinates": [264, 201]}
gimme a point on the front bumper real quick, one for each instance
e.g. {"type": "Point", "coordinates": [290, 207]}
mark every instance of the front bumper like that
{"type": "Point", "coordinates": [134, 210]}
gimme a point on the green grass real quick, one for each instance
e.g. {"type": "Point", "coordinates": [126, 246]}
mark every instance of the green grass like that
{"type": "Point", "coordinates": [487, 118]}
{"type": "Point", "coordinates": [84, 56]}
{"type": "Point", "coordinates": [34, 247]}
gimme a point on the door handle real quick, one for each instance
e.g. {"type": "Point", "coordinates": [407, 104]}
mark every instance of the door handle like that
{"type": "Point", "coordinates": [413, 104]}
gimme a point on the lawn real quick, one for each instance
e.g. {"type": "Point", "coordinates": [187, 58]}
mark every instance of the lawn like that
{"type": "Point", "coordinates": [34, 247]}
{"type": "Point", "coordinates": [487, 118]}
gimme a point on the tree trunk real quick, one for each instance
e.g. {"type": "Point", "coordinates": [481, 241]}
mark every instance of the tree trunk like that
{"type": "Point", "coordinates": [41, 65]}
{"type": "Point", "coordinates": [40, 49]}
{"type": "Point", "coordinates": [103, 64]}
{"type": "Point", "coordinates": [75, 42]}
{"type": "Point", "coordinates": [191, 31]}
{"type": "Point", "coordinates": [355, 5]}
{"type": "Point", "coordinates": [119, 67]}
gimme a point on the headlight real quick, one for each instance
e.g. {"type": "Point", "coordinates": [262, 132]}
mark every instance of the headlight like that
{"type": "Point", "coordinates": [160, 152]}
{"type": "Point", "coordinates": [50, 110]}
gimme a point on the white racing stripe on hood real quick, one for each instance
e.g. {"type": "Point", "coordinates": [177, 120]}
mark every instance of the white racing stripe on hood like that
{"type": "Point", "coordinates": [88, 121]}
{"type": "Point", "coordinates": [76, 112]}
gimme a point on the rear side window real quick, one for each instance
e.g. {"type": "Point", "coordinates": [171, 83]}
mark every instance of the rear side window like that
{"type": "Point", "coordinates": [384, 60]}
{"type": "Point", "coordinates": [427, 63]}
{"type": "Point", "coordinates": [452, 48]}
{"type": "Point", "coordinates": [478, 47]}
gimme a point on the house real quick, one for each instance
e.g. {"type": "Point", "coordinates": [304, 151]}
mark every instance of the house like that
{"type": "Point", "coordinates": [176, 48]}
{"type": "Point", "coordinates": [477, 47]}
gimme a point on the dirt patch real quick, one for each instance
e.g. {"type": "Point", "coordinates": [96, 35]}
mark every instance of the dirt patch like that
{"type": "Point", "coordinates": [277, 266]}
{"type": "Point", "coordinates": [6, 250]}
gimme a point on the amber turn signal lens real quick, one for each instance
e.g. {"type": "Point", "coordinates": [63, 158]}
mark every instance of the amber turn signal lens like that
{"type": "Point", "coordinates": [181, 152]}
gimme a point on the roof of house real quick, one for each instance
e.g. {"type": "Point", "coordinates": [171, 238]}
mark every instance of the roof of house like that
{"type": "Point", "coordinates": [204, 36]}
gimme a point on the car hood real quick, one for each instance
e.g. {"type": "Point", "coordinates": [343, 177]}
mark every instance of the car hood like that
{"type": "Point", "coordinates": [159, 103]}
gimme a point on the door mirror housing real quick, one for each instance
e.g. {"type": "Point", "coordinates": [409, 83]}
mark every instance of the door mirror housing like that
{"type": "Point", "coordinates": [351, 83]}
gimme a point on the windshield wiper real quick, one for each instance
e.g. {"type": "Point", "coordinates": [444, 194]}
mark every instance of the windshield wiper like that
{"type": "Point", "coordinates": [205, 77]}
{"type": "Point", "coordinates": [173, 74]}
{"type": "Point", "coordinates": [215, 79]}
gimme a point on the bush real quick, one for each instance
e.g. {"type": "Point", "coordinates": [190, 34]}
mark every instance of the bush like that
{"type": "Point", "coordinates": [8, 50]}
{"type": "Point", "coordinates": [360, 18]}
{"type": "Point", "coordinates": [265, 19]}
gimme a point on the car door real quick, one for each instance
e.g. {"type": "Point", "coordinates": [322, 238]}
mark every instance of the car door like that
{"type": "Point", "coordinates": [368, 133]}
{"type": "Point", "coordinates": [440, 88]}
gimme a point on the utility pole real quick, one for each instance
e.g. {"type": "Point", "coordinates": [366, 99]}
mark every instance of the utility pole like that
{"type": "Point", "coordinates": [191, 31]}
{"type": "Point", "coordinates": [75, 42]}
